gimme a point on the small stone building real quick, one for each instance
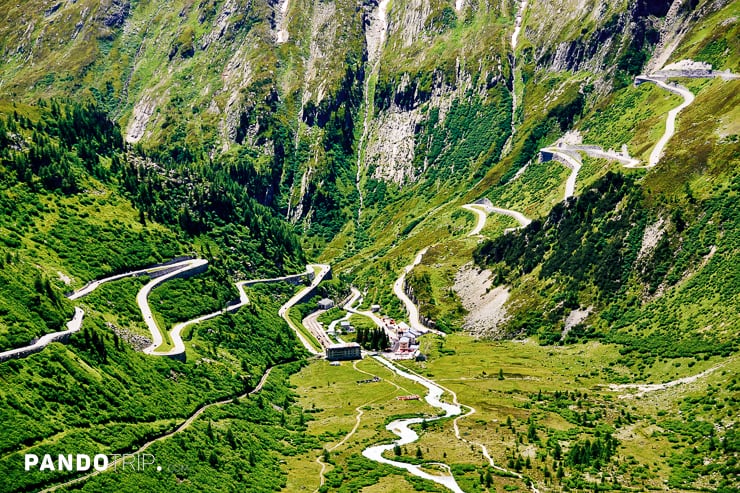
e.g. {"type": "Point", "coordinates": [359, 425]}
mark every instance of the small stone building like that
{"type": "Point", "coordinates": [325, 304]}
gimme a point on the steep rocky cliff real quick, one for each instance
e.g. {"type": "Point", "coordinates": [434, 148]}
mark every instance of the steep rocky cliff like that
{"type": "Point", "coordinates": [331, 96]}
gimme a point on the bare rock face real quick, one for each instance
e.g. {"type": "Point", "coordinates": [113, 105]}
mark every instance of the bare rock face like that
{"type": "Point", "coordinates": [136, 341]}
{"type": "Point", "coordinates": [391, 148]}
{"type": "Point", "coordinates": [143, 111]}
{"type": "Point", "coordinates": [411, 22]}
{"type": "Point", "coordinates": [323, 36]}
{"type": "Point", "coordinates": [220, 24]}
{"type": "Point", "coordinates": [391, 143]}
{"type": "Point", "coordinates": [574, 318]}
{"type": "Point", "coordinates": [617, 43]}
{"type": "Point", "coordinates": [485, 304]}
{"type": "Point", "coordinates": [236, 74]}
{"type": "Point", "coordinates": [653, 234]}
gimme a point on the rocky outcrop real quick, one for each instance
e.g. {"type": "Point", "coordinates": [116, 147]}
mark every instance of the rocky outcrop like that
{"type": "Point", "coordinates": [620, 39]}
{"type": "Point", "coordinates": [116, 13]}
{"type": "Point", "coordinates": [409, 20]}
{"type": "Point", "coordinates": [236, 74]}
{"type": "Point", "coordinates": [323, 36]}
{"type": "Point", "coordinates": [220, 24]}
{"type": "Point", "coordinates": [391, 145]}
{"type": "Point", "coordinates": [390, 151]}
{"type": "Point", "coordinates": [653, 233]}
{"type": "Point", "coordinates": [143, 111]}
{"type": "Point", "coordinates": [679, 19]}
{"type": "Point", "coordinates": [281, 22]}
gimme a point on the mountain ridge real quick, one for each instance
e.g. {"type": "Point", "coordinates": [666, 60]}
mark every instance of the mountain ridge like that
{"type": "Point", "coordinates": [263, 135]}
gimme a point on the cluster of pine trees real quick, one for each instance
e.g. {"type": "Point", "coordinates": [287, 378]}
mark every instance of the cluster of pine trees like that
{"type": "Point", "coordinates": [373, 339]}
{"type": "Point", "coordinates": [63, 142]}
{"type": "Point", "coordinates": [53, 151]}
{"type": "Point", "coordinates": [594, 454]}
{"type": "Point", "coordinates": [218, 198]}
{"type": "Point", "coordinates": [94, 342]}
{"type": "Point", "coordinates": [591, 240]}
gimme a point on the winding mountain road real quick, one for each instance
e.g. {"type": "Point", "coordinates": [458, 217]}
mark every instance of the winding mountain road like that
{"type": "Point", "coordinates": [176, 332]}
{"type": "Point", "coordinates": [521, 218]}
{"type": "Point", "coordinates": [321, 270]}
{"type": "Point", "coordinates": [569, 157]}
{"type": "Point", "coordinates": [349, 307]}
{"type": "Point", "coordinates": [569, 153]}
{"type": "Point", "coordinates": [598, 152]}
{"type": "Point", "coordinates": [411, 309]}
{"type": "Point", "coordinates": [481, 215]}
{"type": "Point", "coordinates": [481, 209]}
{"type": "Point", "coordinates": [484, 207]}
{"type": "Point", "coordinates": [670, 123]}
{"type": "Point", "coordinates": [146, 312]}
{"type": "Point", "coordinates": [75, 324]}
{"type": "Point", "coordinates": [573, 162]}
{"type": "Point", "coordinates": [174, 269]}
{"type": "Point", "coordinates": [92, 286]}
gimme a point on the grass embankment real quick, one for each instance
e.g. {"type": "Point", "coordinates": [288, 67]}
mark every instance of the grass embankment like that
{"type": "Point", "coordinates": [361, 322]}
{"type": "Point", "coordinates": [632, 116]}
{"type": "Point", "coordinates": [334, 313]}
{"type": "Point", "coordinates": [296, 322]}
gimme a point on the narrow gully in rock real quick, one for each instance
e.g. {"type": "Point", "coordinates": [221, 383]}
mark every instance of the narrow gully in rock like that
{"type": "Point", "coordinates": [374, 38]}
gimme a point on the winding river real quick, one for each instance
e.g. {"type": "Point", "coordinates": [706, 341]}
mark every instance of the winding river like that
{"type": "Point", "coordinates": [402, 428]}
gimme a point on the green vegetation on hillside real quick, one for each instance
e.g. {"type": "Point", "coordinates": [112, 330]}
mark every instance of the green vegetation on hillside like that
{"type": "Point", "coordinates": [60, 222]}
{"type": "Point", "coordinates": [549, 415]}
{"type": "Point", "coordinates": [208, 137]}
{"type": "Point", "coordinates": [98, 395]}
{"type": "Point", "coordinates": [179, 300]}
{"type": "Point", "coordinates": [66, 220]}
{"type": "Point", "coordinates": [590, 251]}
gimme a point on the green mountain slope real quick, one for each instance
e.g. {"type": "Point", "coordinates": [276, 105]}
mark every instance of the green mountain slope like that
{"type": "Point", "coordinates": [262, 134]}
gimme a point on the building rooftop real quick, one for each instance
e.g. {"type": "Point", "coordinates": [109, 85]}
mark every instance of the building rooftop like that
{"type": "Point", "coordinates": [344, 345]}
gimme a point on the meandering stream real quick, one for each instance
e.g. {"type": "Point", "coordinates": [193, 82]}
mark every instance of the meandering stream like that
{"type": "Point", "coordinates": [402, 428]}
